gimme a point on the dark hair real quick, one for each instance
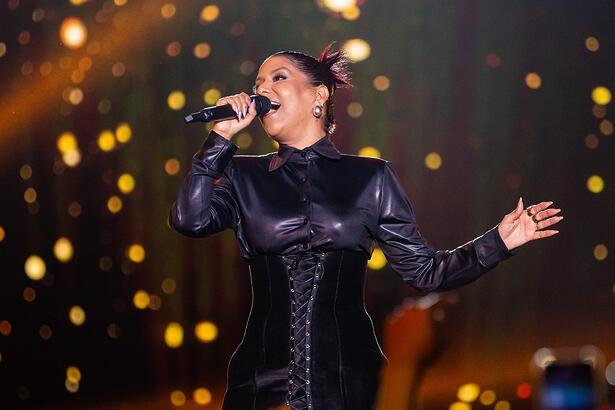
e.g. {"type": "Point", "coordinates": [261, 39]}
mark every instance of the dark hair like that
{"type": "Point", "coordinates": [331, 69]}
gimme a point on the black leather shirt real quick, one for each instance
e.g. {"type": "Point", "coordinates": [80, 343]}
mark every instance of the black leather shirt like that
{"type": "Point", "coordinates": [307, 221]}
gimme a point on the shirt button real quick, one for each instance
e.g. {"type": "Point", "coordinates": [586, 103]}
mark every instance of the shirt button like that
{"type": "Point", "coordinates": [304, 198]}
{"type": "Point", "coordinates": [304, 178]}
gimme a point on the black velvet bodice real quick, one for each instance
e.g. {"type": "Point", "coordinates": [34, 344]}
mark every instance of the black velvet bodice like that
{"type": "Point", "coordinates": [307, 221]}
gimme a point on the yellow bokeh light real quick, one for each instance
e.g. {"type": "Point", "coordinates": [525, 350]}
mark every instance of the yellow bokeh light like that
{"type": "Point", "coordinates": [2, 234]}
{"type": "Point", "coordinates": [468, 392]}
{"type": "Point", "coordinates": [354, 110]}
{"type": "Point", "coordinates": [382, 83]}
{"type": "Point", "coordinates": [212, 95]}
{"type": "Point", "coordinates": [201, 396]}
{"type": "Point", "coordinates": [30, 195]}
{"type": "Point", "coordinates": [202, 50]}
{"type": "Point", "coordinates": [114, 204]}
{"type": "Point", "coordinates": [210, 13]}
{"type": "Point", "coordinates": [433, 161]}
{"type": "Point", "coordinates": [73, 374]}
{"type": "Point", "coordinates": [174, 335]}
{"type": "Point", "coordinates": [63, 250]}
{"type": "Point", "coordinates": [595, 184]}
{"type": "Point", "coordinates": [176, 100]}
{"type": "Point", "coordinates": [123, 133]}
{"type": "Point", "coordinates": [356, 49]}
{"type": "Point", "coordinates": [136, 253]}
{"type": "Point", "coordinates": [459, 405]}
{"type": "Point", "coordinates": [487, 397]}
{"type": "Point", "coordinates": [243, 140]}
{"type": "Point", "coordinates": [592, 43]}
{"type": "Point", "coordinates": [378, 260]}
{"type": "Point", "coordinates": [76, 315]}
{"type": "Point", "coordinates": [126, 183]}
{"type": "Point", "coordinates": [25, 172]}
{"type": "Point", "coordinates": [2, 48]}
{"type": "Point", "coordinates": [502, 405]}
{"type": "Point", "coordinates": [171, 166]}
{"type": "Point", "coordinates": [72, 158]}
{"type": "Point", "coordinates": [601, 95]}
{"type": "Point", "coordinates": [66, 142]}
{"type": "Point", "coordinates": [339, 6]}
{"type": "Point", "coordinates": [178, 398]}
{"type": "Point", "coordinates": [75, 96]}
{"type": "Point", "coordinates": [35, 267]}
{"type": "Point", "coordinates": [601, 252]}
{"type": "Point", "coordinates": [533, 81]}
{"type": "Point", "coordinates": [120, 2]}
{"type": "Point", "coordinates": [71, 386]}
{"type": "Point", "coordinates": [73, 32]}
{"type": "Point", "coordinates": [206, 331]}
{"type": "Point", "coordinates": [106, 141]}
{"type": "Point", "coordinates": [141, 299]}
{"type": "Point", "coordinates": [168, 10]}
{"type": "Point", "coordinates": [369, 152]}
{"type": "Point", "coordinates": [351, 13]}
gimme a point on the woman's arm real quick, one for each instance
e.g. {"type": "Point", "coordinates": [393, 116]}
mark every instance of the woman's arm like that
{"type": "Point", "coordinates": [206, 203]}
{"type": "Point", "coordinates": [420, 265]}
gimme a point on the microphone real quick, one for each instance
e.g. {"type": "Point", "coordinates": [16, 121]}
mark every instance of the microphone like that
{"type": "Point", "coordinates": [225, 112]}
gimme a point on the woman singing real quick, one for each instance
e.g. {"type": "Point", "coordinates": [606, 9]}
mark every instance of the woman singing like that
{"type": "Point", "coordinates": [307, 218]}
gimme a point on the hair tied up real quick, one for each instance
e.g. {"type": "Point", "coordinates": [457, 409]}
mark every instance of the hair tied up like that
{"type": "Point", "coordinates": [336, 64]}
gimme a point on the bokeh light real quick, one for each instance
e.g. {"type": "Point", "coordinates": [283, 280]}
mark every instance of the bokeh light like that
{"type": "Point", "coordinates": [592, 43]}
{"type": "Point", "coordinates": [243, 140]}
{"type": "Point", "coordinates": [136, 253]}
{"type": "Point", "coordinates": [174, 335]}
{"type": "Point", "coordinates": [73, 33]}
{"type": "Point", "coordinates": [459, 405]}
{"type": "Point", "coordinates": [168, 286]}
{"type": "Point", "coordinates": [524, 391]}
{"type": "Point", "coordinates": [141, 299]}
{"type": "Point", "coordinates": [468, 392]}
{"type": "Point", "coordinates": [206, 331]}
{"type": "Point", "coordinates": [45, 332]}
{"type": "Point", "coordinates": [354, 109]}
{"type": "Point", "coordinates": [2, 233]}
{"type": "Point", "coordinates": [339, 6]}
{"type": "Point", "coordinates": [533, 81]}
{"type": "Point", "coordinates": [25, 172]}
{"type": "Point", "coordinates": [211, 96]}
{"type": "Point", "coordinates": [502, 405]}
{"type": "Point", "coordinates": [209, 13]}
{"type": "Point", "coordinates": [114, 204]}
{"type": "Point", "coordinates": [601, 95]}
{"type": "Point", "coordinates": [2, 49]}
{"type": "Point", "coordinates": [29, 294]}
{"type": "Point", "coordinates": [351, 13]}
{"type": "Point", "coordinates": [487, 397]}
{"type": "Point", "coordinates": [591, 141]}
{"type": "Point", "coordinates": [369, 152]}
{"type": "Point", "coordinates": [73, 374]}
{"type": "Point", "coordinates": [382, 83]}
{"type": "Point", "coordinates": [595, 184]}
{"type": "Point", "coordinates": [433, 161]}
{"type": "Point", "coordinates": [126, 183]}
{"type": "Point", "coordinates": [378, 260]}
{"type": "Point", "coordinates": [171, 166]}
{"type": "Point", "coordinates": [168, 10]}
{"type": "Point", "coordinates": [606, 127]}
{"type": "Point", "coordinates": [202, 50]}
{"type": "Point", "coordinates": [176, 100]}
{"type": "Point", "coordinates": [30, 195]}
{"type": "Point", "coordinates": [35, 267]}
{"type": "Point", "coordinates": [5, 327]}
{"type": "Point", "coordinates": [76, 315]}
{"type": "Point", "coordinates": [610, 373]}
{"type": "Point", "coordinates": [123, 133]}
{"type": "Point", "coordinates": [601, 252]}
{"type": "Point", "coordinates": [357, 49]}
{"type": "Point", "coordinates": [72, 158]}
{"type": "Point", "coordinates": [201, 396]}
{"type": "Point", "coordinates": [63, 249]}
{"type": "Point", "coordinates": [106, 141]}
{"type": "Point", "coordinates": [178, 398]}
{"type": "Point", "coordinates": [66, 142]}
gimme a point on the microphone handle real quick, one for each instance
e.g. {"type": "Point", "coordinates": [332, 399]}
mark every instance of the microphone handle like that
{"type": "Point", "coordinates": [225, 112]}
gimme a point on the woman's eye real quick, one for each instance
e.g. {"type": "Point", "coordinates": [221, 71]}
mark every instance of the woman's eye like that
{"type": "Point", "coordinates": [279, 77]}
{"type": "Point", "coordinates": [254, 89]}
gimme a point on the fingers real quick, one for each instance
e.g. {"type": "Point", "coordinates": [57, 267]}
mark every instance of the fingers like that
{"type": "Point", "coordinates": [240, 103]}
{"type": "Point", "coordinates": [544, 234]}
{"type": "Point", "coordinates": [549, 222]}
{"type": "Point", "coordinates": [534, 209]}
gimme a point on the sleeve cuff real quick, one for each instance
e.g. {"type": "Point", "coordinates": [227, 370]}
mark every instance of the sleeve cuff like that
{"type": "Point", "coordinates": [214, 155]}
{"type": "Point", "coordinates": [491, 249]}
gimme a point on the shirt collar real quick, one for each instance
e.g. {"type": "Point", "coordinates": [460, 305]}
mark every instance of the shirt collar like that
{"type": "Point", "coordinates": [323, 146]}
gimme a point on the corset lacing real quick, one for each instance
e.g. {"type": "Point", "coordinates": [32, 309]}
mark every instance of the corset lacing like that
{"type": "Point", "coordinates": [304, 273]}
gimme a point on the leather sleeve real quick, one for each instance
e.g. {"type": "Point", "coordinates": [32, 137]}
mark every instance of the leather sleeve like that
{"type": "Point", "coordinates": [414, 260]}
{"type": "Point", "coordinates": [206, 203]}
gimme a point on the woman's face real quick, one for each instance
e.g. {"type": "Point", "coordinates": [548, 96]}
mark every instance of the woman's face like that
{"type": "Point", "coordinates": [281, 81]}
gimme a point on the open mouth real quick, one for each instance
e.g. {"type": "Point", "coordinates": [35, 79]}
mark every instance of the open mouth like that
{"type": "Point", "coordinates": [275, 105]}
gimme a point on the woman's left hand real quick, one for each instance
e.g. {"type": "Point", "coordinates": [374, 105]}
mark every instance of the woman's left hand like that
{"type": "Point", "coordinates": [524, 225]}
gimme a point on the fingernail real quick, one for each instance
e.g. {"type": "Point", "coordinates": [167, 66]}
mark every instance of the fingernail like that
{"type": "Point", "coordinates": [245, 110]}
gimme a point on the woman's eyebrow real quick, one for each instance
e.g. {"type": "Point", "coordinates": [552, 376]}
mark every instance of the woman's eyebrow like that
{"type": "Point", "coordinates": [272, 71]}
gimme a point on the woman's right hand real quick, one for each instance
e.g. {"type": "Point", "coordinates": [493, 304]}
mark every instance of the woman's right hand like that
{"type": "Point", "coordinates": [246, 112]}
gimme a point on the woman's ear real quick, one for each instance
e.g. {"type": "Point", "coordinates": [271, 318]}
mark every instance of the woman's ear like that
{"type": "Point", "coordinates": [322, 95]}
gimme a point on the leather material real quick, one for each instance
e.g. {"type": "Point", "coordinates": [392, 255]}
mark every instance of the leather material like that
{"type": "Point", "coordinates": [307, 221]}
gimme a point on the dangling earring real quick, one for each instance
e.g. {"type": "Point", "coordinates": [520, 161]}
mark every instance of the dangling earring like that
{"type": "Point", "coordinates": [317, 111]}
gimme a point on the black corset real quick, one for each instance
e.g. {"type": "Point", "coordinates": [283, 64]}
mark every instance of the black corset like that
{"type": "Point", "coordinates": [309, 343]}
